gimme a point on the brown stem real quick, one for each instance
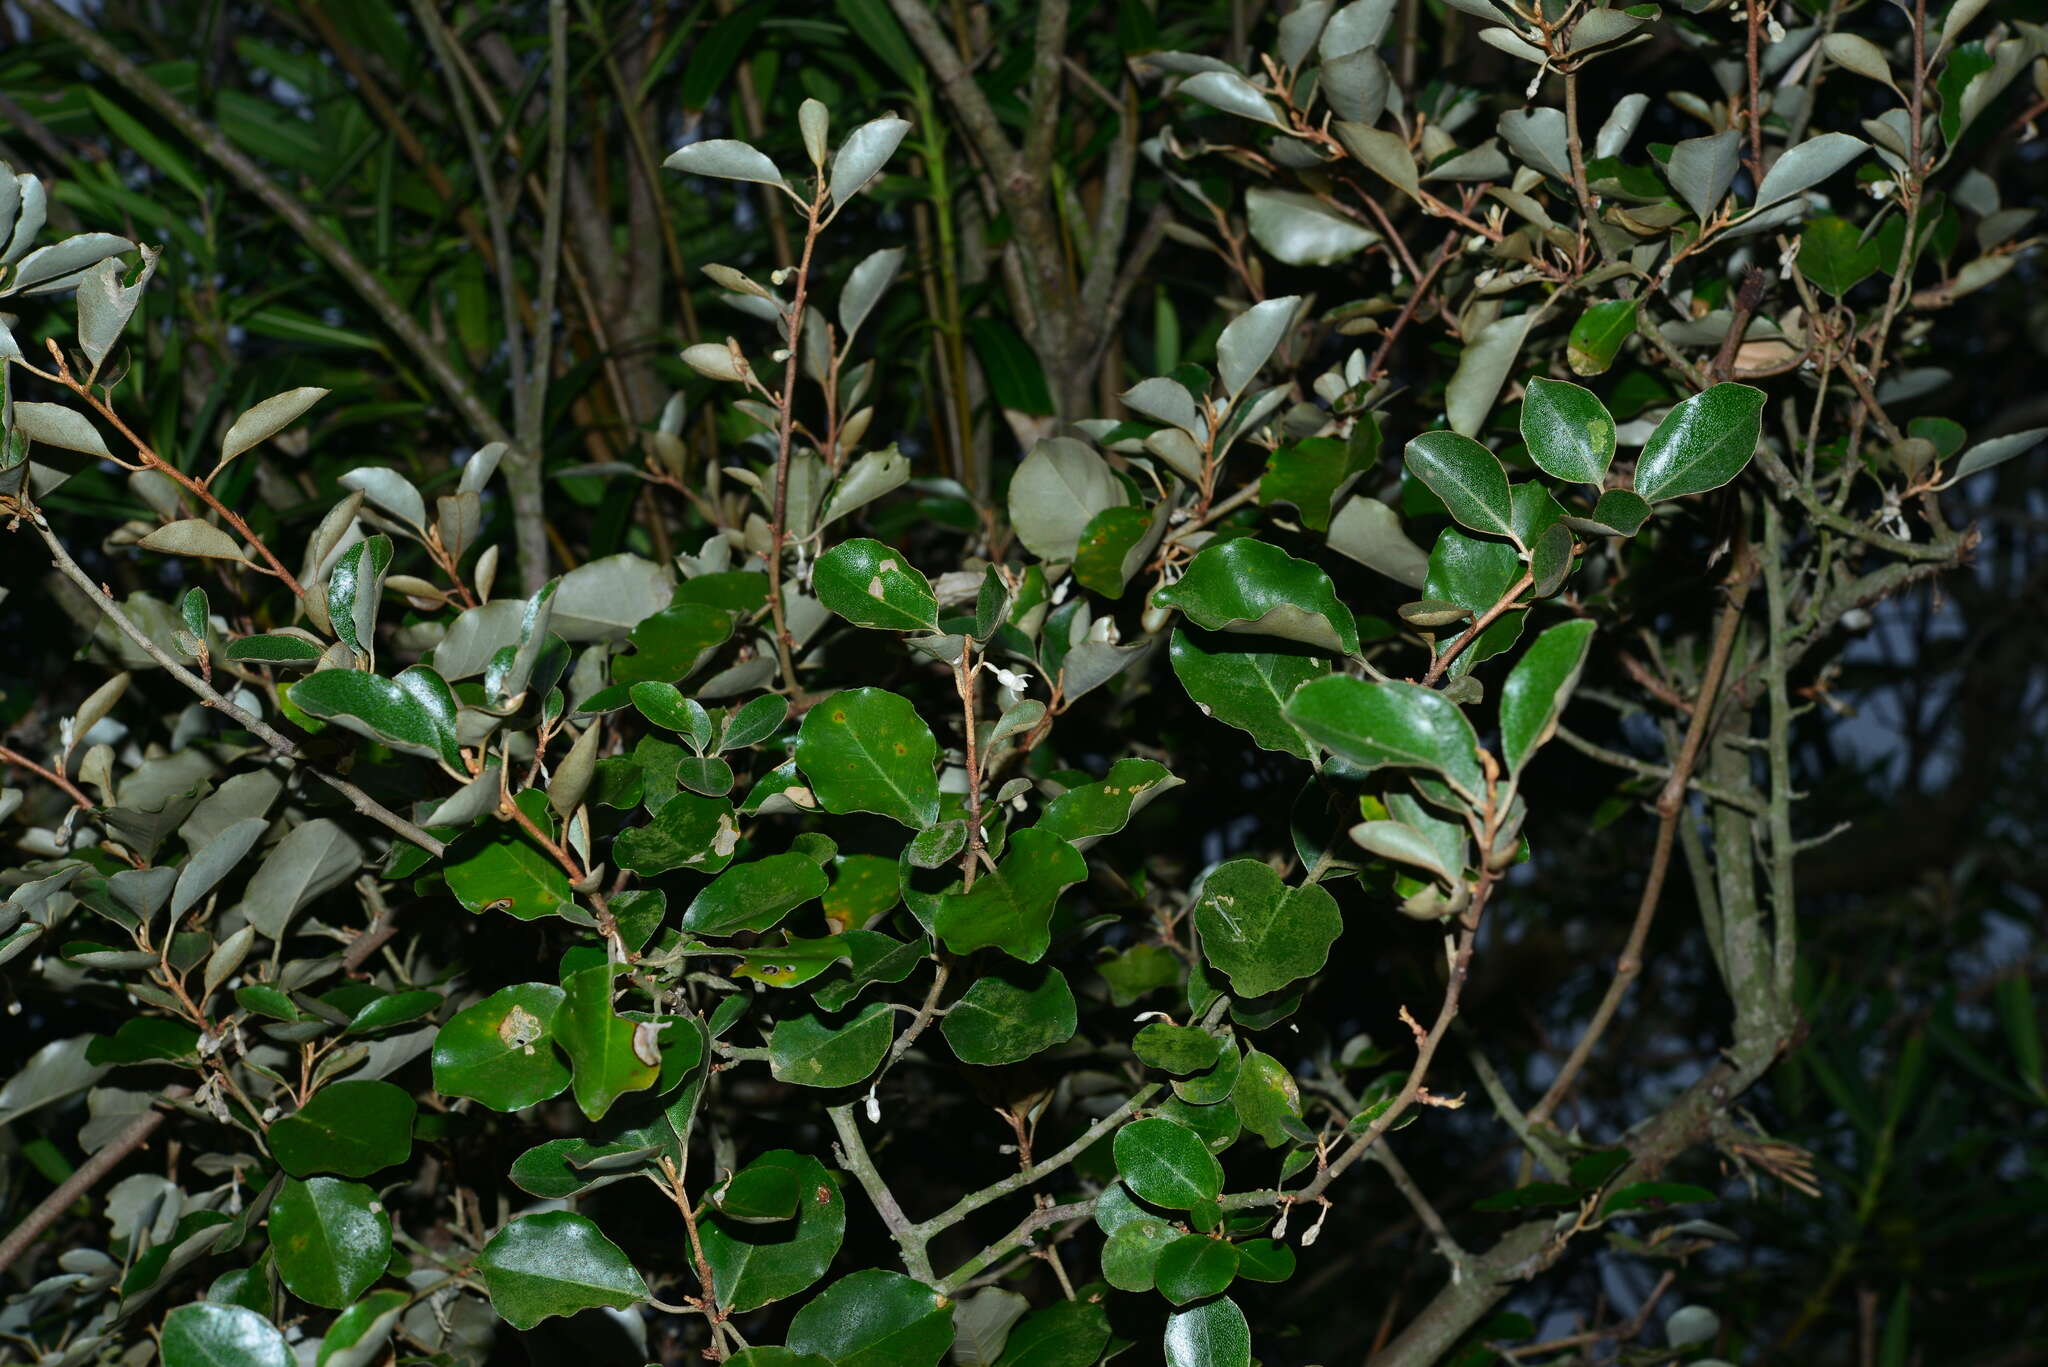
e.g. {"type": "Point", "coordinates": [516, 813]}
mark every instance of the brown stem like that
{"type": "Point", "coordinates": [70, 789]}
{"type": "Point", "coordinates": [131, 1138]}
{"type": "Point", "coordinates": [778, 528]}
{"type": "Point", "coordinates": [1671, 802]}
{"type": "Point", "coordinates": [156, 462]}
{"type": "Point", "coordinates": [1486, 619]}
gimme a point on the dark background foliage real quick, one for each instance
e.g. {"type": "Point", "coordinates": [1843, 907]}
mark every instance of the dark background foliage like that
{"type": "Point", "coordinates": [1917, 1088]}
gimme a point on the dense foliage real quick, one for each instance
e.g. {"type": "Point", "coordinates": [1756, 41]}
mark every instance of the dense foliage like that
{"type": "Point", "coordinates": [1017, 685]}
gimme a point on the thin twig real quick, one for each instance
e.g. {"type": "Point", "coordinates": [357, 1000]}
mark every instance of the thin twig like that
{"type": "Point", "coordinates": [132, 1137]}
{"type": "Point", "coordinates": [1671, 803]}
{"type": "Point", "coordinates": [255, 725]}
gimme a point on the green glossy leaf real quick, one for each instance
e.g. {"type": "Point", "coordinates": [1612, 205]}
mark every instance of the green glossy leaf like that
{"type": "Point", "coordinates": [1620, 512]}
{"type": "Point", "coordinates": [1597, 337]}
{"type": "Point", "coordinates": [1063, 1334]}
{"type": "Point", "coordinates": [203, 1335]}
{"type": "Point", "coordinates": [874, 1318]}
{"type": "Point", "coordinates": [1131, 1253]}
{"type": "Point", "coordinates": [1834, 255]}
{"type": "Point", "coordinates": [604, 1064]}
{"type": "Point", "coordinates": [673, 643]}
{"type": "Point", "coordinates": [1176, 1048]}
{"type": "Point", "coordinates": [332, 1239]}
{"type": "Point", "coordinates": [400, 1008]}
{"type": "Point", "coordinates": [1214, 1086]}
{"type": "Point", "coordinates": [1653, 1196]}
{"type": "Point", "coordinates": [1111, 547]}
{"type": "Point", "coordinates": [1244, 688]}
{"type": "Point", "coordinates": [1550, 561]}
{"type": "Point", "coordinates": [354, 1128]}
{"type": "Point", "coordinates": [1007, 1019]}
{"type": "Point", "coordinates": [755, 896]}
{"type": "Point", "coordinates": [359, 1333]}
{"type": "Point", "coordinates": [506, 873]}
{"type": "Point", "coordinates": [1087, 812]}
{"type": "Point", "coordinates": [665, 706]}
{"type": "Point", "coordinates": [501, 1050]}
{"type": "Point", "coordinates": [1702, 443]}
{"type": "Point", "coordinates": [352, 588]}
{"type": "Point", "coordinates": [555, 1263]}
{"type": "Point", "coordinates": [1266, 1097]}
{"type": "Point", "coordinates": [1264, 1260]}
{"type": "Point", "coordinates": [1212, 1334]}
{"type": "Point", "coordinates": [867, 750]}
{"type": "Point", "coordinates": [872, 585]}
{"type": "Point", "coordinates": [1194, 1267]}
{"type": "Point", "coordinates": [1166, 1163]}
{"type": "Point", "coordinates": [1537, 688]}
{"type": "Point", "coordinates": [688, 832]}
{"type": "Point", "coordinates": [1570, 435]}
{"type": "Point", "coordinates": [1249, 586]}
{"type": "Point", "coordinates": [413, 713]}
{"type": "Point", "coordinates": [1372, 724]}
{"type": "Point", "coordinates": [792, 963]}
{"type": "Point", "coordinates": [807, 1051]}
{"type": "Point", "coordinates": [758, 1195]}
{"type": "Point", "coordinates": [1011, 908]}
{"type": "Point", "coordinates": [754, 721]}
{"type": "Point", "coordinates": [753, 1265]}
{"type": "Point", "coordinates": [273, 647]}
{"type": "Point", "coordinates": [1467, 477]}
{"type": "Point", "coordinates": [1315, 473]}
{"type": "Point", "coordinates": [1260, 932]}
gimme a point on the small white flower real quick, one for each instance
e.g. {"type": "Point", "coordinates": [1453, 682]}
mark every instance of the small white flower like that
{"type": "Point", "coordinates": [1878, 189]}
{"type": "Point", "coordinates": [874, 1108]}
{"type": "Point", "coordinates": [1774, 30]}
{"type": "Point", "coordinates": [1015, 682]}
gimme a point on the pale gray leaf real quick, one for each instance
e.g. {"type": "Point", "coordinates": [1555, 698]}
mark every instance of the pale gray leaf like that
{"type": "Point", "coordinates": [194, 536]}
{"type": "Point", "coordinates": [1807, 165]}
{"type": "Point", "coordinates": [876, 473]}
{"type": "Point", "coordinates": [1997, 451]}
{"type": "Point", "coordinates": [1299, 31]}
{"type": "Point", "coordinates": [266, 419]}
{"type": "Point", "coordinates": [1057, 489]}
{"type": "Point", "coordinates": [105, 304]}
{"type": "Point", "coordinates": [1231, 93]}
{"type": "Point", "coordinates": [1302, 230]}
{"type": "Point", "coordinates": [1482, 369]}
{"type": "Point", "coordinates": [1355, 85]}
{"type": "Point", "coordinates": [213, 861]}
{"type": "Point", "coordinates": [53, 1072]}
{"type": "Point", "coordinates": [1165, 400]}
{"type": "Point", "coordinates": [865, 287]}
{"type": "Point", "coordinates": [1620, 125]}
{"type": "Point", "coordinates": [602, 600]}
{"type": "Point", "coordinates": [1370, 532]}
{"type": "Point", "coordinates": [313, 857]}
{"type": "Point", "coordinates": [55, 425]}
{"type": "Point", "coordinates": [1384, 153]}
{"type": "Point", "coordinates": [56, 267]}
{"type": "Point", "coordinates": [1538, 137]}
{"type": "Point", "coordinates": [1246, 345]}
{"type": "Point", "coordinates": [1702, 169]}
{"type": "Point", "coordinates": [390, 491]}
{"type": "Point", "coordinates": [861, 157]}
{"type": "Point", "coordinates": [726, 159]}
{"type": "Point", "coordinates": [1357, 26]}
